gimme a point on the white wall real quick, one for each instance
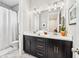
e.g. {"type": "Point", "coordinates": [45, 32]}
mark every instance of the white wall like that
{"type": "Point", "coordinates": [25, 16]}
{"type": "Point", "coordinates": [16, 8]}
{"type": "Point", "coordinates": [76, 42]}
{"type": "Point", "coordinates": [24, 19]}
{"type": "Point", "coordinates": [71, 29]}
{"type": "Point", "coordinates": [25, 10]}
{"type": "Point", "coordinates": [6, 6]}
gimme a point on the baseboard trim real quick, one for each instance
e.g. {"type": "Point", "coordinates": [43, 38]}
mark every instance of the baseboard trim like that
{"type": "Point", "coordinates": [5, 51]}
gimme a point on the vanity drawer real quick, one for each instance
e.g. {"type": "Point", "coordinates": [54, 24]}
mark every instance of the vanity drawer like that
{"type": "Point", "coordinates": [40, 39]}
{"type": "Point", "coordinates": [40, 54]}
{"type": "Point", "coordinates": [40, 45]}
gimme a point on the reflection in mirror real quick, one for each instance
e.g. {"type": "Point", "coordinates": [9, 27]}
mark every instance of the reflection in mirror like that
{"type": "Point", "coordinates": [50, 19]}
{"type": "Point", "coordinates": [44, 19]}
{"type": "Point", "coordinates": [53, 20]}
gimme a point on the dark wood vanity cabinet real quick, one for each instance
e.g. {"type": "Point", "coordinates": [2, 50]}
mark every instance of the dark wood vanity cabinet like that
{"type": "Point", "coordinates": [54, 49]}
{"type": "Point", "coordinates": [26, 44]}
{"type": "Point", "coordinates": [59, 49]}
{"type": "Point", "coordinates": [67, 50]}
{"type": "Point", "coordinates": [33, 46]}
{"type": "Point", "coordinates": [47, 48]}
{"type": "Point", "coordinates": [29, 44]}
{"type": "Point", "coordinates": [40, 48]}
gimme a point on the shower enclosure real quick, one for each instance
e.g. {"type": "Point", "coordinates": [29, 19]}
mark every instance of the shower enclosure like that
{"type": "Point", "coordinates": [8, 28]}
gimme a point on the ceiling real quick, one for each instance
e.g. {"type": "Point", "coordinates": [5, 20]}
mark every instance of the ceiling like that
{"type": "Point", "coordinates": [39, 3]}
{"type": "Point", "coordinates": [33, 3]}
{"type": "Point", "coordinates": [10, 3]}
{"type": "Point", "coordinates": [42, 3]}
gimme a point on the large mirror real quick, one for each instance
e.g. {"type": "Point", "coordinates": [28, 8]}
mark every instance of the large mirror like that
{"type": "Point", "coordinates": [50, 19]}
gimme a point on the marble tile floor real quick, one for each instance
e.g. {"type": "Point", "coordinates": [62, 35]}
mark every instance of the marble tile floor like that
{"type": "Point", "coordinates": [14, 54]}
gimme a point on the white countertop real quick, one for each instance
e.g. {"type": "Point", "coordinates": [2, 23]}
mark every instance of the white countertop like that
{"type": "Point", "coordinates": [57, 37]}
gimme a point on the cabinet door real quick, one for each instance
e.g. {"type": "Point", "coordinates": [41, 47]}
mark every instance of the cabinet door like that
{"type": "Point", "coordinates": [33, 45]}
{"type": "Point", "coordinates": [27, 44]}
{"type": "Point", "coordinates": [49, 49]}
{"type": "Point", "coordinates": [68, 51]}
{"type": "Point", "coordinates": [58, 49]}
{"type": "Point", "coordinates": [54, 49]}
